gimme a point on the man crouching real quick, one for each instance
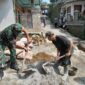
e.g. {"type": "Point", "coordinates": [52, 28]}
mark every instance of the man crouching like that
{"type": "Point", "coordinates": [8, 39]}
{"type": "Point", "coordinates": [64, 51]}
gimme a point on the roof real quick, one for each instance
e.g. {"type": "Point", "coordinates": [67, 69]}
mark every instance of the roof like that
{"type": "Point", "coordinates": [67, 1]}
{"type": "Point", "coordinates": [27, 3]}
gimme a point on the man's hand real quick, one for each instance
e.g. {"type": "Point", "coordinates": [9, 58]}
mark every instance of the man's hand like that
{"type": "Point", "coordinates": [68, 54]}
{"type": "Point", "coordinates": [58, 58]}
{"type": "Point", "coordinates": [26, 49]}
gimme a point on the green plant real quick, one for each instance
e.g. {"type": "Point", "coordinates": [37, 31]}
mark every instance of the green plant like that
{"type": "Point", "coordinates": [54, 11]}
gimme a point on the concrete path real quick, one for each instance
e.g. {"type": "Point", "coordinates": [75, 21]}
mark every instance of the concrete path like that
{"type": "Point", "coordinates": [78, 59]}
{"type": "Point", "coordinates": [52, 78]}
{"type": "Point", "coordinates": [58, 31]}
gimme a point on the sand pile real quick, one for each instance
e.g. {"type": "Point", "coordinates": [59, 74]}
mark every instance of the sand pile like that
{"type": "Point", "coordinates": [42, 56]}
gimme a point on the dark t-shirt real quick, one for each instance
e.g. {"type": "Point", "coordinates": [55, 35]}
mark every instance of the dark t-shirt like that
{"type": "Point", "coordinates": [61, 43]}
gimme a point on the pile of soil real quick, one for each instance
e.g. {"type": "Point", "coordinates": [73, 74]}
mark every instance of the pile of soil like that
{"type": "Point", "coordinates": [42, 56]}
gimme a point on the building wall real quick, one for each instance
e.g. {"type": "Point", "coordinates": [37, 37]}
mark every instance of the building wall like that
{"type": "Point", "coordinates": [24, 16]}
{"type": "Point", "coordinates": [77, 29]}
{"type": "Point", "coordinates": [72, 6]}
{"type": "Point", "coordinates": [7, 16]}
{"type": "Point", "coordinates": [36, 21]}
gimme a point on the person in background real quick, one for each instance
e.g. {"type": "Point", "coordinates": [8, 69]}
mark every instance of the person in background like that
{"type": "Point", "coordinates": [43, 20]}
{"type": "Point", "coordinates": [56, 22]}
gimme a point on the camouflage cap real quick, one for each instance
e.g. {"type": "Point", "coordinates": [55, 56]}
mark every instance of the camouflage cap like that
{"type": "Point", "coordinates": [18, 27]}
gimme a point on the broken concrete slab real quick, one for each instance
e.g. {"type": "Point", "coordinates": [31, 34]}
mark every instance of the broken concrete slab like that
{"type": "Point", "coordinates": [81, 45]}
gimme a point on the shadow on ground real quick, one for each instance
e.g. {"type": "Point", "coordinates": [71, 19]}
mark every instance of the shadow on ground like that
{"type": "Point", "coordinates": [1, 73]}
{"type": "Point", "coordinates": [80, 80]}
{"type": "Point", "coordinates": [25, 74]}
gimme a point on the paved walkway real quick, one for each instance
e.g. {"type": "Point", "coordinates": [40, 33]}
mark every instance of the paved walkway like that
{"type": "Point", "coordinates": [58, 31]}
{"type": "Point", "coordinates": [77, 59]}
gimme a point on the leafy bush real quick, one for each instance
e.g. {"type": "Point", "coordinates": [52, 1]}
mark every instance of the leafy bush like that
{"type": "Point", "coordinates": [54, 11]}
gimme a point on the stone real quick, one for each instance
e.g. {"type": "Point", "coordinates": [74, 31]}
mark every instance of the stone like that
{"type": "Point", "coordinates": [81, 45]}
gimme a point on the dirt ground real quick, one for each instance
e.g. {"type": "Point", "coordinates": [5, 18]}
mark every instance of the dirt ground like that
{"type": "Point", "coordinates": [46, 52]}
{"type": "Point", "coordinates": [42, 56]}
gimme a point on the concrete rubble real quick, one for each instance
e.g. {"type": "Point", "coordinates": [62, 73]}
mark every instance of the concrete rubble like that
{"type": "Point", "coordinates": [36, 75]}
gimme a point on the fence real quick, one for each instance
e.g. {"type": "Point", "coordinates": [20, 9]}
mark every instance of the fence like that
{"type": "Point", "coordinates": [77, 28]}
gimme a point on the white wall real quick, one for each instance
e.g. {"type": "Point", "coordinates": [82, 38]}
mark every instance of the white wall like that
{"type": "Point", "coordinates": [7, 16]}
{"type": "Point", "coordinates": [72, 6]}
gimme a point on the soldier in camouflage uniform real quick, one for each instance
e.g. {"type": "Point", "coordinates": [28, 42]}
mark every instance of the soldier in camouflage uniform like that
{"type": "Point", "coordinates": [8, 39]}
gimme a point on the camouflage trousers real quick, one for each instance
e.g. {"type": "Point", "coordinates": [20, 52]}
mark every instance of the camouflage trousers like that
{"type": "Point", "coordinates": [2, 54]}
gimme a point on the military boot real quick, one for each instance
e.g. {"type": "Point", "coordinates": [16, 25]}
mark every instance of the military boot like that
{"type": "Point", "coordinates": [14, 65]}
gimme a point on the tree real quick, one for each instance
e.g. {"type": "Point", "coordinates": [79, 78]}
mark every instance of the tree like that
{"type": "Point", "coordinates": [54, 11]}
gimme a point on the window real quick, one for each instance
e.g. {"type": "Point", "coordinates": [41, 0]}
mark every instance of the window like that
{"type": "Point", "coordinates": [25, 18]}
{"type": "Point", "coordinates": [84, 12]}
{"type": "Point", "coordinates": [69, 9]}
{"type": "Point", "coordinates": [78, 7]}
